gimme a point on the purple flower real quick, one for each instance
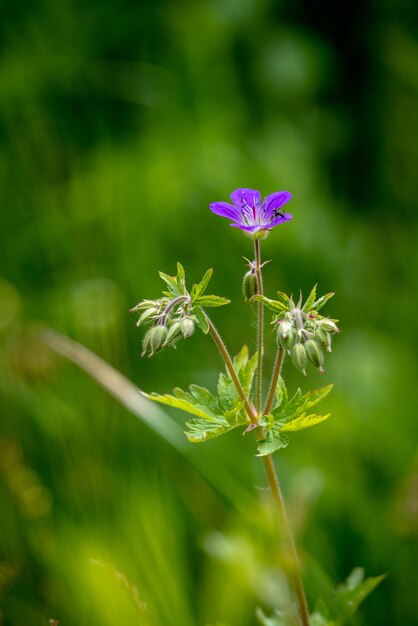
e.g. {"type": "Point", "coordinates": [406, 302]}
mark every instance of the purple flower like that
{"type": "Point", "coordinates": [255, 219]}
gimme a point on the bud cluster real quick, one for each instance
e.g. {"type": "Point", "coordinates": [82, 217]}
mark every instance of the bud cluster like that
{"type": "Point", "coordinates": [170, 321]}
{"type": "Point", "coordinates": [304, 336]}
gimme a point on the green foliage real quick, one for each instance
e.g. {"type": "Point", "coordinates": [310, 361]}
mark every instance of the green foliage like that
{"type": "Point", "coordinates": [290, 415]}
{"type": "Point", "coordinates": [218, 415]}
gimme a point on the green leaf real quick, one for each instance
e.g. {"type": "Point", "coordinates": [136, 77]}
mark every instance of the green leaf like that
{"type": "Point", "coordinates": [352, 593]}
{"type": "Point", "coordinates": [284, 298]}
{"type": "Point", "coordinates": [181, 279]}
{"type": "Point", "coordinates": [185, 403]}
{"type": "Point", "coordinates": [273, 441]}
{"type": "Point", "coordinates": [304, 421]}
{"type": "Point", "coordinates": [247, 372]}
{"type": "Point", "coordinates": [273, 305]}
{"type": "Point", "coordinates": [311, 398]}
{"type": "Point", "coordinates": [200, 430]}
{"type": "Point", "coordinates": [311, 299]}
{"type": "Point", "coordinates": [199, 288]}
{"type": "Point", "coordinates": [208, 301]}
{"type": "Point", "coordinates": [171, 283]}
{"type": "Point", "coordinates": [227, 392]}
{"type": "Point", "coordinates": [317, 306]}
{"type": "Point", "coordinates": [201, 320]}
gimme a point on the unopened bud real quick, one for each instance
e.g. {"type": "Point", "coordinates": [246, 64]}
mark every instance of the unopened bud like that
{"type": "Point", "coordinates": [299, 357]}
{"type": "Point", "coordinates": [147, 315]}
{"type": "Point", "coordinates": [187, 327]}
{"type": "Point", "coordinates": [328, 326]}
{"type": "Point", "coordinates": [159, 333]}
{"type": "Point", "coordinates": [314, 354]}
{"type": "Point", "coordinates": [249, 285]}
{"type": "Point", "coordinates": [174, 332]}
{"type": "Point", "coordinates": [324, 338]}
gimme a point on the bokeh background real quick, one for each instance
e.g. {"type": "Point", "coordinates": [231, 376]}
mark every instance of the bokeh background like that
{"type": "Point", "coordinates": [119, 123]}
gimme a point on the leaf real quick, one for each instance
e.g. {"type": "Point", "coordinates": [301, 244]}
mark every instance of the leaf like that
{"type": "Point", "coordinates": [247, 372]}
{"type": "Point", "coordinates": [201, 430]}
{"type": "Point", "coordinates": [311, 398]}
{"type": "Point", "coordinates": [181, 403]}
{"type": "Point", "coordinates": [310, 300]}
{"type": "Point", "coordinates": [284, 298]}
{"type": "Point", "coordinates": [352, 593]}
{"type": "Point", "coordinates": [227, 392]}
{"type": "Point", "coordinates": [171, 283]}
{"type": "Point", "coordinates": [317, 306]}
{"type": "Point", "coordinates": [273, 305]}
{"type": "Point", "coordinates": [273, 441]}
{"type": "Point", "coordinates": [304, 421]}
{"type": "Point", "coordinates": [201, 320]}
{"type": "Point", "coordinates": [199, 288]}
{"type": "Point", "coordinates": [245, 369]}
{"type": "Point", "coordinates": [208, 301]}
{"type": "Point", "coordinates": [204, 397]}
{"type": "Point", "coordinates": [181, 278]}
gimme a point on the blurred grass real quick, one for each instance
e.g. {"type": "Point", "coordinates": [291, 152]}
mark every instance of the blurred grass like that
{"type": "Point", "coordinates": [118, 125]}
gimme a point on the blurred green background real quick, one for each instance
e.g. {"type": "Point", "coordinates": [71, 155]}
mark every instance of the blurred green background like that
{"type": "Point", "coordinates": [119, 123]}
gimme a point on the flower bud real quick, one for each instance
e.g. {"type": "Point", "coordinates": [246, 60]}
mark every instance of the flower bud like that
{"type": "Point", "coordinates": [147, 315]}
{"type": "Point", "coordinates": [299, 357]}
{"type": "Point", "coordinates": [174, 333]}
{"type": "Point", "coordinates": [324, 338]}
{"type": "Point", "coordinates": [249, 285]}
{"type": "Point", "coordinates": [159, 333]}
{"type": "Point", "coordinates": [314, 354]}
{"type": "Point", "coordinates": [328, 326]}
{"type": "Point", "coordinates": [187, 327]}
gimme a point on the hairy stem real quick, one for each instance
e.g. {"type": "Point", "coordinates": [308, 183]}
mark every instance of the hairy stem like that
{"type": "Point", "coordinates": [295, 572]}
{"type": "Point", "coordinates": [230, 366]}
{"type": "Point", "coordinates": [260, 327]}
{"type": "Point", "coordinates": [274, 380]}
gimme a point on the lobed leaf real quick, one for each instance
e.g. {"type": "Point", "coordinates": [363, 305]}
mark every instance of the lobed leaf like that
{"type": "Point", "coordinates": [273, 441]}
{"type": "Point", "coordinates": [317, 306]}
{"type": "Point", "coordinates": [310, 300]}
{"type": "Point", "coordinates": [304, 421]}
{"type": "Point", "coordinates": [181, 279]}
{"type": "Point", "coordinates": [273, 305]}
{"type": "Point", "coordinates": [311, 398]}
{"type": "Point", "coordinates": [201, 320]}
{"type": "Point", "coordinates": [171, 283]}
{"type": "Point", "coordinates": [182, 403]}
{"type": "Point", "coordinates": [199, 288]}
{"type": "Point", "coordinates": [211, 301]}
{"type": "Point", "coordinates": [352, 593]}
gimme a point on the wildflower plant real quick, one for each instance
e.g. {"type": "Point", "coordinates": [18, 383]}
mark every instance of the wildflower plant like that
{"type": "Point", "coordinates": [300, 331]}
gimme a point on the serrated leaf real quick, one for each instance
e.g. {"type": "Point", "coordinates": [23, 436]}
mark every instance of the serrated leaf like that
{"type": "Point", "coordinates": [201, 430]}
{"type": "Point", "coordinates": [317, 306]}
{"type": "Point", "coordinates": [181, 403]}
{"type": "Point", "coordinates": [281, 395]}
{"type": "Point", "coordinates": [273, 305]}
{"type": "Point", "coordinates": [201, 320]}
{"type": "Point", "coordinates": [171, 283]}
{"type": "Point", "coordinates": [199, 288]}
{"type": "Point", "coordinates": [247, 372]}
{"type": "Point", "coordinates": [211, 301]}
{"type": "Point", "coordinates": [311, 398]}
{"type": "Point", "coordinates": [181, 278]}
{"type": "Point", "coordinates": [310, 300]}
{"type": "Point", "coordinates": [227, 392]}
{"type": "Point", "coordinates": [273, 441]}
{"type": "Point", "coordinates": [351, 594]}
{"type": "Point", "coordinates": [284, 298]}
{"type": "Point", "coordinates": [304, 421]}
{"type": "Point", "coordinates": [204, 397]}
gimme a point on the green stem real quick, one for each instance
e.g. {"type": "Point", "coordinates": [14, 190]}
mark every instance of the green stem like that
{"type": "Point", "coordinates": [260, 326]}
{"type": "Point", "coordinates": [231, 369]}
{"type": "Point", "coordinates": [274, 380]}
{"type": "Point", "coordinates": [295, 572]}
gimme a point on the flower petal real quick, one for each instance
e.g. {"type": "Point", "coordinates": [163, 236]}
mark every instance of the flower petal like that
{"type": "Point", "coordinates": [279, 220]}
{"type": "Point", "coordinates": [224, 209]}
{"type": "Point", "coordinates": [275, 201]}
{"type": "Point", "coordinates": [244, 197]}
{"type": "Point", "coordinates": [250, 229]}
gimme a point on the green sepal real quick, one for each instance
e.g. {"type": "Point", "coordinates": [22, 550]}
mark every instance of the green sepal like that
{"type": "Point", "coordinates": [210, 301]}
{"type": "Point", "coordinates": [201, 320]}
{"type": "Point", "coordinates": [199, 288]}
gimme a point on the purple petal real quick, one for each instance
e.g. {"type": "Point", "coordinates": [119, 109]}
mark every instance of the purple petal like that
{"type": "Point", "coordinates": [250, 229]}
{"type": "Point", "coordinates": [245, 198]}
{"type": "Point", "coordinates": [279, 220]}
{"type": "Point", "coordinates": [224, 209]}
{"type": "Point", "coordinates": [275, 201]}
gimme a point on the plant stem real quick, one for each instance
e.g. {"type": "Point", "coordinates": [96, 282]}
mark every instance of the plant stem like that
{"type": "Point", "coordinates": [231, 369]}
{"type": "Point", "coordinates": [295, 573]}
{"type": "Point", "coordinates": [260, 326]}
{"type": "Point", "coordinates": [274, 380]}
